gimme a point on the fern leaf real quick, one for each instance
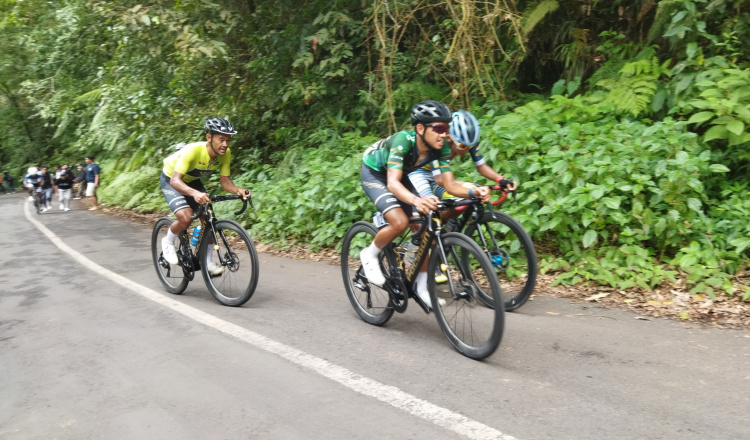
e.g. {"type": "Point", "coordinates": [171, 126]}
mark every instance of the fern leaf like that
{"type": "Point", "coordinates": [531, 19]}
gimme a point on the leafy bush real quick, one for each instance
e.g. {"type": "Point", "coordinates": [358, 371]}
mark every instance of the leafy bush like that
{"type": "Point", "coordinates": [618, 200]}
{"type": "Point", "coordinates": [314, 196]}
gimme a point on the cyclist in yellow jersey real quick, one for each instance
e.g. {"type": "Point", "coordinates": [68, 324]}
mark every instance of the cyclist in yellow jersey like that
{"type": "Point", "coordinates": [181, 181]}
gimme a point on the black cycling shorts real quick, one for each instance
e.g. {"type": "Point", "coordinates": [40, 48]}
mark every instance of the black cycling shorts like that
{"type": "Point", "coordinates": [175, 199]}
{"type": "Point", "coordinates": [375, 184]}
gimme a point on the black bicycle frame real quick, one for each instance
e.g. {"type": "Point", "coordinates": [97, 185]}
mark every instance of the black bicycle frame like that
{"type": "Point", "coordinates": [430, 233]}
{"type": "Point", "coordinates": [210, 221]}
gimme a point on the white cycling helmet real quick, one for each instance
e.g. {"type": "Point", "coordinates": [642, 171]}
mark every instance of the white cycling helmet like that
{"type": "Point", "coordinates": [464, 128]}
{"type": "Point", "coordinates": [32, 170]}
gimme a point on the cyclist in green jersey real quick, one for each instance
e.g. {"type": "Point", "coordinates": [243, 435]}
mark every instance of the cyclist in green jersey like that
{"type": "Point", "coordinates": [385, 171]}
{"type": "Point", "coordinates": [181, 181]}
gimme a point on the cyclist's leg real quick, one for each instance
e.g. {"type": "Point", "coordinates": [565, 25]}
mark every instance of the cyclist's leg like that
{"type": "Point", "coordinates": [423, 181]}
{"type": "Point", "coordinates": [182, 206]}
{"type": "Point", "coordinates": [375, 185]}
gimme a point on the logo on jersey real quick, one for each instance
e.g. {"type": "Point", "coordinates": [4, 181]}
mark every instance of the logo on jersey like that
{"type": "Point", "coordinates": [410, 137]}
{"type": "Point", "coordinates": [391, 200]}
{"type": "Point", "coordinates": [400, 148]}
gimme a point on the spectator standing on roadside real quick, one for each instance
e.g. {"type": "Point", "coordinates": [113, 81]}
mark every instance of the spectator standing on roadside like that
{"type": "Point", "coordinates": [92, 181]}
{"type": "Point", "coordinates": [81, 181]}
{"type": "Point", "coordinates": [46, 189]}
{"type": "Point", "coordinates": [58, 171]}
{"type": "Point", "coordinates": [8, 179]}
{"type": "Point", "coordinates": [64, 189]}
{"type": "Point", "coordinates": [64, 170]}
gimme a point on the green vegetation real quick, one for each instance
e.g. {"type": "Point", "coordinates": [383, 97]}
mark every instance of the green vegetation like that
{"type": "Point", "coordinates": [626, 121]}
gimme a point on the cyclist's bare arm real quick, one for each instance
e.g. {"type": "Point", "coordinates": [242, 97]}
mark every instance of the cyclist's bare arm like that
{"type": "Point", "coordinates": [399, 190]}
{"type": "Point", "coordinates": [453, 187]}
{"type": "Point", "coordinates": [177, 183]}
{"type": "Point", "coordinates": [487, 171]}
{"type": "Point", "coordinates": [230, 187]}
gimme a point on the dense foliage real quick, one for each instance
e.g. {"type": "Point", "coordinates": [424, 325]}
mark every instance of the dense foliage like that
{"type": "Point", "coordinates": [626, 121]}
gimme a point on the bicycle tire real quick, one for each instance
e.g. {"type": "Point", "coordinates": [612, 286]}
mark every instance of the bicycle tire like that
{"type": "Point", "coordinates": [172, 276]}
{"type": "Point", "coordinates": [518, 271]}
{"type": "Point", "coordinates": [470, 325]}
{"type": "Point", "coordinates": [372, 303]}
{"type": "Point", "coordinates": [236, 252]}
{"type": "Point", "coordinates": [38, 202]}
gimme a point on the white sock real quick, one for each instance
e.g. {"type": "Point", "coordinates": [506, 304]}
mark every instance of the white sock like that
{"type": "Point", "coordinates": [373, 250]}
{"type": "Point", "coordinates": [171, 236]}
{"type": "Point", "coordinates": [422, 286]}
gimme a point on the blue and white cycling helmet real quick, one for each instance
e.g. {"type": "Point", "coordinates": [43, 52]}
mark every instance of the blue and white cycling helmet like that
{"type": "Point", "coordinates": [464, 128]}
{"type": "Point", "coordinates": [218, 125]}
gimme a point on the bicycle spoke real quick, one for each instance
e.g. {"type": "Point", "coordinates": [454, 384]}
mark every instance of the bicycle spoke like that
{"type": "Point", "coordinates": [472, 326]}
{"type": "Point", "coordinates": [231, 271]}
{"type": "Point", "coordinates": [371, 302]}
{"type": "Point", "coordinates": [173, 277]}
{"type": "Point", "coordinates": [512, 254]}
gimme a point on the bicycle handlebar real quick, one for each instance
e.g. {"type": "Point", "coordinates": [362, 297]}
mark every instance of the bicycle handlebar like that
{"type": "Point", "coordinates": [494, 203]}
{"type": "Point", "coordinates": [223, 198]}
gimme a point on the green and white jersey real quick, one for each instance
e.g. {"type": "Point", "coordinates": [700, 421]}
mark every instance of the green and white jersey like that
{"type": "Point", "coordinates": [399, 152]}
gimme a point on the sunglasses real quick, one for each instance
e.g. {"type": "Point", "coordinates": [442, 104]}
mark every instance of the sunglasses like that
{"type": "Point", "coordinates": [439, 129]}
{"type": "Point", "coordinates": [461, 147]}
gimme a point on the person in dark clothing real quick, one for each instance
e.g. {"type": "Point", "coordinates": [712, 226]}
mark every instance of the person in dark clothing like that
{"type": "Point", "coordinates": [8, 179]}
{"type": "Point", "coordinates": [46, 189]}
{"type": "Point", "coordinates": [65, 188]}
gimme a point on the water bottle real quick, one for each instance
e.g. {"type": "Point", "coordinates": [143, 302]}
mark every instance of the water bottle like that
{"type": "Point", "coordinates": [196, 234]}
{"type": "Point", "coordinates": [410, 250]}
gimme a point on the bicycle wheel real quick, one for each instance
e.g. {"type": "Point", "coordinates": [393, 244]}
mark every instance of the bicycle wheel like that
{"type": "Point", "coordinates": [371, 303]}
{"type": "Point", "coordinates": [172, 276]}
{"type": "Point", "coordinates": [474, 328]}
{"type": "Point", "coordinates": [237, 255]}
{"type": "Point", "coordinates": [511, 253]}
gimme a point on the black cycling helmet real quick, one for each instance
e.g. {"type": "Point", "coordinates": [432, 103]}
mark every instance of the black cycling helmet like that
{"type": "Point", "coordinates": [218, 125]}
{"type": "Point", "coordinates": [465, 128]}
{"type": "Point", "coordinates": [430, 111]}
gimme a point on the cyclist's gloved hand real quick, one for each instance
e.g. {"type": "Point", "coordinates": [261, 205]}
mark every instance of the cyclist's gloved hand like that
{"type": "Point", "coordinates": [507, 185]}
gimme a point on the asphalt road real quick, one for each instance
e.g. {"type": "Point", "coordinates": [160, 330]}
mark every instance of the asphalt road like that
{"type": "Point", "coordinates": [91, 347]}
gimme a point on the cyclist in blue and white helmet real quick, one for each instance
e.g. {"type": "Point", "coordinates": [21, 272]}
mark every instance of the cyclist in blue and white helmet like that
{"type": "Point", "coordinates": [182, 187]}
{"type": "Point", "coordinates": [464, 136]}
{"type": "Point", "coordinates": [464, 128]}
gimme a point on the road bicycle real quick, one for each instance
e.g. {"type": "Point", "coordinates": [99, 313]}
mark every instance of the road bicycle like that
{"type": "Point", "coordinates": [38, 202]}
{"type": "Point", "coordinates": [228, 243]}
{"type": "Point", "coordinates": [470, 321]}
{"type": "Point", "coordinates": [507, 244]}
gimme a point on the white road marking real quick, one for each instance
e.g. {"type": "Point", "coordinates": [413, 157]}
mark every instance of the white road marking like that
{"type": "Point", "coordinates": [385, 393]}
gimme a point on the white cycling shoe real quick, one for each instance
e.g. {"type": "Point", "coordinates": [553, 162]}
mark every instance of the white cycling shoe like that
{"type": "Point", "coordinates": [215, 269]}
{"type": "Point", "coordinates": [425, 297]}
{"type": "Point", "coordinates": [168, 251]}
{"type": "Point", "coordinates": [372, 268]}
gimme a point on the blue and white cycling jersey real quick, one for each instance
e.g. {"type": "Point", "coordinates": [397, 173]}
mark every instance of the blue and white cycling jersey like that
{"type": "Point", "coordinates": [33, 179]}
{"type": "Point", "coordinates": [424, 181]}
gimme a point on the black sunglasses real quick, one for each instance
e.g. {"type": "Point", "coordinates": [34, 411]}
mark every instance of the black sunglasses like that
{"type": "Point", "coordinates": [439, 129]}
